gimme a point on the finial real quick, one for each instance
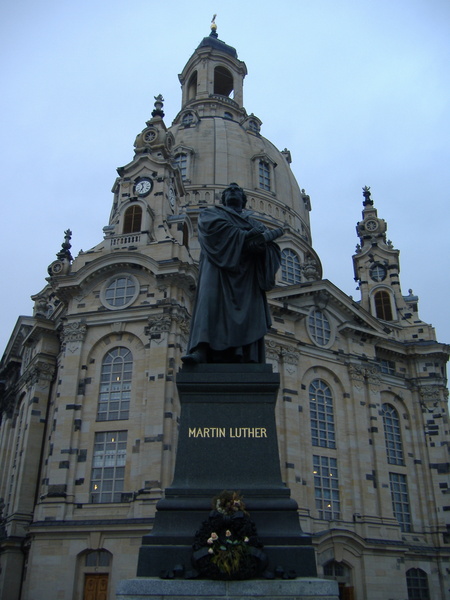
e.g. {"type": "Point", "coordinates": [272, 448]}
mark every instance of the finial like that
{"type": "Point", "coordinates": [213, 26]}
{"type": "Point", "coordinates": [64, 253]}
{"type": "Point", "coordinates": [366, 194]}
{"type": "Point", "coordinates": [158, 110]}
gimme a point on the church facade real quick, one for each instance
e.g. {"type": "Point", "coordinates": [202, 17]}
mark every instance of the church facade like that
{"type": "Point", "coordinates": [89, 408]}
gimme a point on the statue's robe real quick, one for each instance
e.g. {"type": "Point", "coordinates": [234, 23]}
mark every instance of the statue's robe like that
{"type": "Point", "coordinates": [231, 311]}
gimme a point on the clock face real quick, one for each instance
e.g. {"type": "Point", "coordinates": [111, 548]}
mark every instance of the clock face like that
{"type": "Point", "coordinates": [378, 272]}
{"type": "Point", "coordinates": [143, 187]}
{"type": "Point", "coordinates": [371, 225]}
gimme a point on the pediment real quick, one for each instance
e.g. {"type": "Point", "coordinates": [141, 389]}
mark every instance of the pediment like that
{"type": "Point", "coordinates": [347, 314]}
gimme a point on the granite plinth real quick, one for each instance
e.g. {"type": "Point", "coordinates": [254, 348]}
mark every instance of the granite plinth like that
{"type": "Point", "coordinates": [227, 440]}
{"type": "Point", "coordinates": [297, 589]}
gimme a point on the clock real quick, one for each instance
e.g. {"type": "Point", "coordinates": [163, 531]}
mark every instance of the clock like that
{"type": "Point", "coordinates": [171, 195]}
{"type": "Point", "coordinates": [378, 272]}
{"type": "Point", "coordinates": [371, 225]}
{"type": "Point", "coordinates": [143, 186]}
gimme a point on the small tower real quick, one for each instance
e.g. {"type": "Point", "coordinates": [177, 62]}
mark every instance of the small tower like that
{"type": "Point", "coordinates": [377, 267]}
{"type": "Point", "coordinates": [213, 70]}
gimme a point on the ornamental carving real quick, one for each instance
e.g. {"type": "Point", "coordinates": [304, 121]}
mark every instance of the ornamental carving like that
{"type": "Point", "coordinates": [373, 375]}
{"type": "Point", "coordinates": [356, 372]}
{"type": "Point", "coordinates": [158, 324]}
{"type": "Point", "coordinates": [360, 373]}
{"type": "Point", "coordinates": [273, 351]}
{"type": "Point", "coordinates": [290, 356]}
{"type": "Point", "coordinates": [73, 332]}
{"type": "Point", "coordinates": [40, 371]}
{"type": "Point", "coordinates": [430, 393]}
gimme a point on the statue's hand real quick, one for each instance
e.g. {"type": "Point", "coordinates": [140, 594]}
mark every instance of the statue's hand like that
{"type": "Point", "coordinates": [255, 243]}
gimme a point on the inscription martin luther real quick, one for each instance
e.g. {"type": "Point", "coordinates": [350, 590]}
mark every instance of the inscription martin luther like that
{"type": "Point", "coordinates": [231, 432]}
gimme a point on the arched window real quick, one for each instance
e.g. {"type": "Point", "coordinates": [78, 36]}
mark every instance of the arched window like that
{"type": "Point", "coordinates": [290, 266]}
{"type": "Point", "coordinates": [322, 417]}
{"type": "Point", "coordinates": [392, 435]}
{"type": "Point", "coordinates": [319, 327]}
{"type": "Point", "coordinates": [132, 219]}
{"type": "Point", "coordinates": [253, 126]}
{"type": "Point", "coordinates": [192, 86]}
{"type": "Point", "coordinates": [264, 175]}
{"type": "Point", "coordinates": [417, 584]}
{"type": "Point", "coordinates": [223, 81]}
{"type": "Point", "coordinates": [383, 308]}
{"type": "Point", "coordinates": [115, 385]}
{"type": "Point", "coordinates": [188, 118]}
{"type": "Point", "coordinates": [97, 558]}
{"type": "Point", "coordinates": [181, 162]}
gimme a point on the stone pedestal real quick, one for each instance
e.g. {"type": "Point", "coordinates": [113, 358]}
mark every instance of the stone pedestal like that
{"type": "Point", "coordinates": [227, 440]}
{"type": "Point", "coordinates": [158, 589]}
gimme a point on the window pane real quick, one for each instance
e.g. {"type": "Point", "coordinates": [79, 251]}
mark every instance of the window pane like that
{"type": "Point", "coordinates": [108, 472]}
{"type": "Point", "coordinates": [400, 500]}
{"type": "Point", "coordinates": [319, 327]}
{"type": "Point", "coordinates": [116, 376]}
{"type": "Point", "coordinates": [290, 267]}
{"type": "Point", "coordinates": [325, 487]}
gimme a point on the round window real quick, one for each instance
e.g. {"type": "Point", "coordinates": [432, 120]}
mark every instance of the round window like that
{"type": "Point", "coordinates": [120, 292]}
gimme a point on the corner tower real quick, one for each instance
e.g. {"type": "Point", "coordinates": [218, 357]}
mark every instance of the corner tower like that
{"type": "Point", "coordinates": [377, 271]}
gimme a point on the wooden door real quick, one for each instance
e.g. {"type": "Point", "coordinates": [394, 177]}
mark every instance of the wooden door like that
{"type": "Point", "coordinates": [346, 593]}
{"type": "Point", "coordinates": [95, 587]}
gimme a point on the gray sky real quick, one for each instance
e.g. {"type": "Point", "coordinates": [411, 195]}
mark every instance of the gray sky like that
{"type": "Point", "coordinates": [357, 90]}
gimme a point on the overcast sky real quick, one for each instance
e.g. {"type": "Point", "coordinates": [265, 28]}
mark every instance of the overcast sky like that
{"type": "Point", "coordinates": [357, 90]}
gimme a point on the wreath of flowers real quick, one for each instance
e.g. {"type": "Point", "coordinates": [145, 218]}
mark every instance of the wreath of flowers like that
{"type": "Point", "coordinates": [227, 546]}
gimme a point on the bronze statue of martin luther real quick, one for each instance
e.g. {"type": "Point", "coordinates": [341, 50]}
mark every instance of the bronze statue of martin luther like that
{"type": "Point", "coordinates": [238, 263]}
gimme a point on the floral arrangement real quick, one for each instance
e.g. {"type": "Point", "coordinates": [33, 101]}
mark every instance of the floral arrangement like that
{"type": "Point", "coordinates": [227, 546]}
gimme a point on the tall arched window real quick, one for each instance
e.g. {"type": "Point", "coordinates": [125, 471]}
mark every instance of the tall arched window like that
{"type": "Point", "coordinates": [132, 219]}
{"type": "Point", "coordinates": [392, 435]}
{"type": "Point", "coordinates": [264, 175]}
{"type": "Point", "coordinates": [319, 327]}
{"type": "Point", "coordinates": [322, 417]}
{"type": "Point", "coordinates": [192, 86]}
{"type": "Point", "coordinates": [181, 162]}
{"type": "Point", "coordinates": [223, 81]}
{"type": "Point", "coordinates": [417, 583]}
{"type": "Point", "coordinates": [290, 266]}
{"type": "Point", "coordinates": [383, 307]}
{"type": "Point", "coordinates": [115, 385]}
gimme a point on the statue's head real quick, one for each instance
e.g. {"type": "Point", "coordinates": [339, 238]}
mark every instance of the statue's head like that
{"type": "Point", "coordinates": [234, 196]}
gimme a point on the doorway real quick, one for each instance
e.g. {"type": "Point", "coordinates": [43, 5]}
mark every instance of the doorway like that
{"type": "Point", "coordinates": [95, 586]}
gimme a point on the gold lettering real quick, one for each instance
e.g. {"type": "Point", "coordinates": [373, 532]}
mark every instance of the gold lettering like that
{"type": "Point", "coordinates": [233, 432]}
